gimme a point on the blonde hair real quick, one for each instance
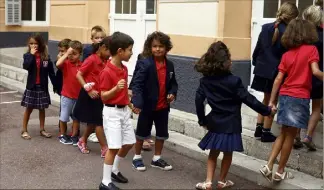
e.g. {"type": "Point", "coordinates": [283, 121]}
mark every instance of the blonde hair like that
{"type": "Point", "coordinates": [286, 13]}
{"type": "Point", "coordinates": [96, 29]}
{"type": "Point", "coordinates": [313, 14]}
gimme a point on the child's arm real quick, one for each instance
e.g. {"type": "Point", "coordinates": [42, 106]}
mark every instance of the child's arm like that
{"type": "Point", "coordinates": [138, 85]}
{"type": "Point", "coordinates": [316, 71]}
{"type": "Point", "coordinates": [134, 73]}
{"type": "Point", "coordinates": [61, 60]}
{"type": "Point", "coordinates": [29, 61]}
{"type": "Point", "coordinates": [105, 86]}
{"type": "Point", "coordinates": [174, 85]}
{"type": "Point", "coordinates": [200, 106]}
{"type": "Point", "coordinates": [275, 88]}
{"type": "Point", "coordinates": [51, 74]}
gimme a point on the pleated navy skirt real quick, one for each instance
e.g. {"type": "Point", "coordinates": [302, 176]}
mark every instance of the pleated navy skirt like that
{"type": "Point", "coordinates": [224, 142]}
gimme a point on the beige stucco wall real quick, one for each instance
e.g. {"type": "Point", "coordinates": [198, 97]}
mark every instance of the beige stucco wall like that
{"type": "Point", "coordinates": [74, 19]}
{"type": "Point", "coordinates": [4, 28]}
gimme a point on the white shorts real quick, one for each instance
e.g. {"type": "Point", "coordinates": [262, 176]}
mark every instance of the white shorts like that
{"type": "Point", "coordinates": [118, 127]}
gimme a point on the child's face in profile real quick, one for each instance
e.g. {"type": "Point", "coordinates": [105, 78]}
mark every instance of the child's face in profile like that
{"type": "Point", "coordinates": [62, 51]}
{"type": "Point", "coordinates": [33, 44]}
{"type": "Point", "coordinates": [126, 54]}
{"type": "Point", "coordinates": [98, 37]}
{"type": "Point", "coordinates": [74, 56]}
{"type": "Point", "coordinates": [158, 49]}
{"type": "Point", "coordinates": [104, 52]}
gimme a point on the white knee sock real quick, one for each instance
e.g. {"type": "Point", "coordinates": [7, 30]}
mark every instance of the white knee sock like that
{"type": "Point", "coordinates": [106, 178]}
{"type": "Point", "coordinates": [116, 164]}
{"type": "Point", "coordinates": [156, 157]}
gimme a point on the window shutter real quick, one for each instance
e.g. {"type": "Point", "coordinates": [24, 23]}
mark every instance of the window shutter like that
{"type": "Point", "coordinates": [13, 12]}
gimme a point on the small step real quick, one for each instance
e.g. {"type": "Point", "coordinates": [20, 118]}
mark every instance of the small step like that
{"type": "Point", "coordinates": [13, 73]}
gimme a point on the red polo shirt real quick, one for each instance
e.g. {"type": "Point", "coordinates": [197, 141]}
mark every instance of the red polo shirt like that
{"type": "Point", "coordinates": [91, 69]}
{"type": "Point", "coordinates": [161, 74]}
{"type": "Point", "coordinates": [38, 65]}
{"type": "Point", "coordinates": [71, 86]}
{"type": "Point", "coordinates": [109, 78]}
{"type": "Point", "coordinates": [296, 64]}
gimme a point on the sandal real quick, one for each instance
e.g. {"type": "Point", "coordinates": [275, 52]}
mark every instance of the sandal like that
{"type": "Point", "coordinates": [83, 147]}
{"type": "Point", "coordinates": [204, 185]}
{"type": "Point", "coordinates": [308, 141]}
{"type": "Point", "coordinates": [266, 172]}
{"type": "Point", "coordinates": [227, 184]}
{"type": "Point", "coordinates": [25, 135]}
{"type": "Point", "coordinates": [285, 175]}
{"type": "Point", "coordinates": [45, 134]}
{"type": "Point", "coordinates": [146, 146]}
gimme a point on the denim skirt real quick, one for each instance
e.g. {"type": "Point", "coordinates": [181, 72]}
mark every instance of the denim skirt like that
{"type": "Point", "coordinates": [293, 112]}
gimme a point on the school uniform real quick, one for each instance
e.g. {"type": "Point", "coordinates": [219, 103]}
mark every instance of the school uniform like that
{"type": "Point", "coordinates": [36, 95]}
{"type": "Point", "coordinates": [88, 110]}
{"type": "Point", "coordinates": [87, 51]}
{"type": "Point", "coordinates": [294, 94]}
{"type": "Point", "coordinates": [135, 70]}
{"type": "Point", "coordinates": [317, 85]}
{"type": "Point", "coordinates": [266, 57]}
{"type": "Point", "coordinates": [117, 122]}
{"type": "Point", "coordinates": [151, 85]}
{"type": "Point", "coordinates": [225, 95]}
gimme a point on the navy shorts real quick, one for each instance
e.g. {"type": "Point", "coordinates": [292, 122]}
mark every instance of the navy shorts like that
{"type": "Point", "coordinates": [145, 123]}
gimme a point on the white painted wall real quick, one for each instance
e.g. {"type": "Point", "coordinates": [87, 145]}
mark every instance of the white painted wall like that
{"type": "Point", "coordinates": [192, 18]}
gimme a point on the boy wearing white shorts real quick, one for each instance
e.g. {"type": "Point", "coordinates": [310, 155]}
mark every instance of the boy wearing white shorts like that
{"type": "Point", "coordinates": [116, 114]}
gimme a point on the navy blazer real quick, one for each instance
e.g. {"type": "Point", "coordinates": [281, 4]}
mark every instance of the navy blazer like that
{"type": "Point", "coordinates": [145, 84]}
{"type": "Point", "coordinates": [135, 70]}
{"type": "Point", "coordinates": [319, 45]}
{"type": "Point", "coordinates": [46, 70]}
{"type": "Point", "coordinates": [87, 51]}
{"type": "Point", "coordinates": [266, 57]}
{"type": "Point", "coordinates": [225, 95]}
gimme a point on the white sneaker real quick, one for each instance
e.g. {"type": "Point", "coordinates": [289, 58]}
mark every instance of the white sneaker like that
{"type": "Point", "coordinates": [93, 138]}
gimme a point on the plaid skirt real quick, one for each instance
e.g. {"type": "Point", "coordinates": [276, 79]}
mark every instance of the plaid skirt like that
{"type": "Point", "coordinates": [36, 98]}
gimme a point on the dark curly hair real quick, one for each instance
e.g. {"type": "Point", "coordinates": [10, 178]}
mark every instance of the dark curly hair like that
{"type": "Point", "coordinates": [299, 32]}
{"type": "Point", "coordinates": [42, 47]}
{"type": "Point", "coordinates": [159, 36]}
{"type": "Point", "coordinates": [216, 61]}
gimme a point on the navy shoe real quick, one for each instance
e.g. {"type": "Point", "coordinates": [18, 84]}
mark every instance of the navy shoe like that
{"type": "Point", "coordinates": [163, 165]}
{"type": "Point", "coordinates": [64, 139]}
{"type": "Point", "coordinates": [119, 178]}
{"type": "Point", "coordinates": [267, 136]}
{"type": "Point", "coordinates": [139, 165]}
{"type": "Point", "coordinates": [75, 140]}
{"type": "Point", "coordinates": [110, 186]}
{"type": "Point", "coordinates": [258, 132]}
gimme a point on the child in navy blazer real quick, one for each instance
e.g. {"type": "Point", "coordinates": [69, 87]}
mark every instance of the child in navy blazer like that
{"type": "Point", "coordinates": [36, 96]}
{"type": "Point", "coordinates": [266, 58]}
{"type": "Point", "coordinates": [225, 94]}
{"type": "Point", "coordinates": [154, 87]}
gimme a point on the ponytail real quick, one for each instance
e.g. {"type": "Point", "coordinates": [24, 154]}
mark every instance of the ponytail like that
{"type": "Point", "coordinates": [276, 32]}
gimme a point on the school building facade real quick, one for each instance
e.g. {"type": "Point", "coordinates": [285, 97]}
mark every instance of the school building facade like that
{"type": "Point", "coordinates": [192, 25]}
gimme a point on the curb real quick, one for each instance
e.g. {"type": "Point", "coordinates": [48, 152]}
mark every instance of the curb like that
{"type": "Point", "coordinates": [244, 166]}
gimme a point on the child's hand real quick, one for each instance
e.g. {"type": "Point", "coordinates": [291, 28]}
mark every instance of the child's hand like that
{"type": "Point", "coordinates": [88, 86]}
{"type": "Point", "coordinates": [170, 98]}
{"type": "Point", "coordinates": [69, 51]}
{"type": "Point", "coordinates": [121, 84]}
{"type": "Point", "coordinates": [273, 109]}
{"type": "Point", "coordinates": [93, 94]}
{"type": "Point", "coordinates": [33, 51]}
{"type": "Point", "coordinates": [136, 110]}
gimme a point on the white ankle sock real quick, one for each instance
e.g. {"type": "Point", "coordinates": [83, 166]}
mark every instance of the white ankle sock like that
{"type": "Point", "coordinates": [156, 157]}
{"type": "Point", "coordinates": [106, 178]}
{"type": "Point", "coordinates": [137, 157]}
{"type": "Point", "coordinates": [116, 164]}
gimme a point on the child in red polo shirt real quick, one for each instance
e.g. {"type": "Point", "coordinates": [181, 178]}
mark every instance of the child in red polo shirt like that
{"type": "Point", "coordinates": [88, 108]}
{"type": "Point", "coordinates": [294, 84]}
{"type": "Point", "coordinates": [116, 114]}
{"type": "Point", "coordinates": [70, 91]}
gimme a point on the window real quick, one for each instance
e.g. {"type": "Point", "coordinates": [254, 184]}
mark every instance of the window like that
{"type": "Point", "coordinates": [12, 12]}
{"type": "Point", "coordinates": [150, 6]}
{"type": "Point", "coordinates": [271, 6]}
{"type": "Point", "coordinates": [125, 6]}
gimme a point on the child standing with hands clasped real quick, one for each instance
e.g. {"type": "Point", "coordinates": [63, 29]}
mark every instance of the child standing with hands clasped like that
{"type": "Point", "coordinates": [36, 95]}
{"type": "Point", "coordinates": [294, 84]}
{"type": "Point", "coordinates": [225, 94]}
{"type": "Point", "coordinates": [154, 87]}
{"type": "Point", "coordinates": [116, 114]}
{"type": "Point", "coordinates": [70, 91]}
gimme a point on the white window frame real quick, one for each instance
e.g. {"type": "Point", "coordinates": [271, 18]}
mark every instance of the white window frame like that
{"type": "Point", "coordinates": [33, 21]}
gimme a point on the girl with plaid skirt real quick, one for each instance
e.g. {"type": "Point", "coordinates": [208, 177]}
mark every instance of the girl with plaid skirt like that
{"type": "Point", "coordinates": [36, 95]}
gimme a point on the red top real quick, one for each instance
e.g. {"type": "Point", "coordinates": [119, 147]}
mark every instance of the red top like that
{"type": "Point", "coordinates": [109, 78]}
{"type": "Point", "coordinates": [296, 65]}
{"type": "Point", "coordinates": [91, 69]}
{"type": "Point", "coordinates": [161, 74]}
{"type": "Point", "coordinates": [71, 86]}
{"type": "Point", "coordinates": [38, 65]}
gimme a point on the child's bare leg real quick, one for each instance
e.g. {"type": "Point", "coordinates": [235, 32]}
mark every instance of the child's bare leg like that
{"type": "Point", "coordinates": [63, 127]}
{"type": "Point", "coordinates": [86, 133]}
{"type": "Point", "coordinates": [211, 164]}
{"type": "Point", "coordinates": [101, 137]}
{"type": "Point", "coordinates": [226, 164]}
{"type": "Point", "coordinates": [290, 134]}
{"type": "Point", "coordinates": [108, 165]}
{"type": "Point", "coordinates": [276, 148]}
{"type": "Point", "coordinates": [158, 146]}
{"type": "Point", "coordinates": [42, 119]}
{"type": "Point", "coordinates": [75, 128]}
{"type": "Point", "coordinates": [27, 113]}
{"type": "Point", "coordinates": [315, 117]}
{"type": "Point", "coordinates": [266, 99]}
{"type": "Point", "coordinates": [138, 146]}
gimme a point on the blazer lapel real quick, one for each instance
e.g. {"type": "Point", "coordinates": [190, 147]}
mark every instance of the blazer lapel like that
{"type": "Point", "coordinates": [152, 61]}
{"type": "Point", "coordinates": [168, 73]}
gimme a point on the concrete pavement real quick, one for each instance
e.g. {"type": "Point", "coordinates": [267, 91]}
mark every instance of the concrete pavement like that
{"type": "Point", "coordinates": [47, 164]}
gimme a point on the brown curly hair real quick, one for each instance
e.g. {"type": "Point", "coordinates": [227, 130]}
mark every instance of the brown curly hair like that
{"type": "Point", "coordinates": [299, 32]}
{"type": "Point", "coordinates": [216, 61]}
{"type": "Point", "coordinates": [159, 36]}
{"type": "Point", "coordinates": [42, 47]}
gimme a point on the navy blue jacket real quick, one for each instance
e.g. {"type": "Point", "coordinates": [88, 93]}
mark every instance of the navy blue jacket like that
{"type": "Point", "coordinates": [145, 84]}
{"type": "Point", "coordinates": [225, 95]}
{"type": "Point", "coordinates": [319, 45]}
{"type": "Point", "coordinates": [46, 70]}
{"type": "Point", "coordinates": [266, 57]}
{"type": "Point", "coordinates": [59, 80]}
{"type": "Point", "coordinates": [87, 51]}
{"type": "Point", "coordinates": [135, 70]}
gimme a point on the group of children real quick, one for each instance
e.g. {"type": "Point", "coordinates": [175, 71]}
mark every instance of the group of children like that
{"type": "Point", "coordinates": [95, 91]}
